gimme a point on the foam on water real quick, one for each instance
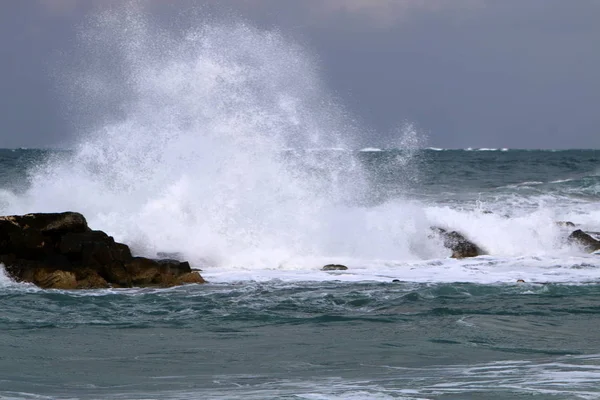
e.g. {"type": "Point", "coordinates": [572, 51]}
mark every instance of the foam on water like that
{"type": "Point", "coordinates": [5, 281]}
{"type": "Point", "coordinates": [195, 166]}
{"type": "Point", "coordinates": [572, 376]}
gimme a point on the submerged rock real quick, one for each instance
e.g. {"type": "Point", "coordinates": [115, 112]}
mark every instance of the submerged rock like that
{"type": "Point", "coordinates": [60, 251]}
{"type": "Point", "coordinates": [585, 240]}
{"type": "Point", "coordinates": [334, 267]}
{"type": "Point", "coordinates": [565, 224]}
{"type": "Point", "coordinates": [461, 247]}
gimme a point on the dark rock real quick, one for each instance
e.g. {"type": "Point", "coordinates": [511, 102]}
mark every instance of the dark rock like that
{"type": "Point", "coordinates": [93, 281]}
{"type": "Point", "coordinates": [143, 271]}
{"type": "Point", "coordinates": [461, 247]}
{"type": "Point", "coordinates": [73, 242]}
{"type": "Point", "coordinates": [174, 266]}
{"type": "Point", "coordinates": [60, 251]}
{"type": "Point", "coordinates": [334, 267]}
{"type": "Point", "coordinates": [53, 223]}
{"type": "Point", "coordinates": [584, 240]}
{"type": "Point", "coordinates": [116, 274]}
{"type": "Point", "coordinates": [65, 222]}
{"type": "Point", "coordinates": [566, 224]}
{"type": "Point", "coordinates": [88, 278]}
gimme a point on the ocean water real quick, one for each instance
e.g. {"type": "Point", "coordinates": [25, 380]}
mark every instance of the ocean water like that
{"type": "Point", "coordinates": [283, 329]}
{"type": "Point", "coordinates": [228, 149]}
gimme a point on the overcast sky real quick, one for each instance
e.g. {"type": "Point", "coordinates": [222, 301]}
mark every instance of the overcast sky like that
{"type": "Point", "coordinates": [468, 73]}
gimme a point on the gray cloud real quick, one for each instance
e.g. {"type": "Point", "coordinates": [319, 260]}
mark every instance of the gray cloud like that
{"type": "Point", "coordinates": [468, 72]}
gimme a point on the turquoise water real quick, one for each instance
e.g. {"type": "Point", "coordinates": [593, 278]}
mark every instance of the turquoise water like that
{"type": "Point", "coordinates": [220, 142]}
{"type": "Point", "coordinates": [449, 329]}
{"type": "Point", "coordinates": [303, 341]}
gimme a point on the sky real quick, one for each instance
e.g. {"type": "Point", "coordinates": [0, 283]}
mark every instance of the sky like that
{"type": "Point", "coordinates": [466, 73]}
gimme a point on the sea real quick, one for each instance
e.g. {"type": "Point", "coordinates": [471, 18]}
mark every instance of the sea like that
{"type": "Point", "coordinates": [222, 145]}
{"type": "Point", "coordinates": [405, 321]}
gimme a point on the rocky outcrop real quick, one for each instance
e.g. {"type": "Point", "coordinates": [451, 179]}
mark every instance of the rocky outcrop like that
{"type": "Point", "coordinates": [461, 247]}
{"type": "Point", "coordinates": [60, 251]}
{"type": "Point", "coordinates": [334, 267]}
{"type": "Point", "coordinates": [585, 240]}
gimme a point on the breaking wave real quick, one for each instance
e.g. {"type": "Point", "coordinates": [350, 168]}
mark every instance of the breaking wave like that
{"type": "Point", "coordinates": [212, 155]}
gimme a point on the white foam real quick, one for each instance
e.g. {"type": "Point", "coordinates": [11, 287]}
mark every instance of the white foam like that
{"type": "Point", "coordinates": [4, 279]}
{"type": "Point", "coordinates": [194, 167]}
{"type": "Point", "coordinates": [6, 282]}
{"type": "Point", "coordinates": [576, 269]}
{"type": "Point", "coordinates": [562, 180]}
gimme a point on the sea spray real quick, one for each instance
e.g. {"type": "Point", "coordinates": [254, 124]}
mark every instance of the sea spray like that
{"type": "Point", "coordinates": [197, 164]}
{"type": "Point", "coordinates": [227, 148]}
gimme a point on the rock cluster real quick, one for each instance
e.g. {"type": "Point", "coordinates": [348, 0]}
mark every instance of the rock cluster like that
{"type": "Point", "coordinates": [463, 248]}
{"type": "Point", "coordinates": [60, 251]}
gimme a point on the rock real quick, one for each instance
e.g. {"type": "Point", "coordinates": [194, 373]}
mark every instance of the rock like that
{"type": "Point", "coordinates": [55, 279]}
{"type": "Point", "coordinates": [566, 224]}
{"type": "Point", "coordinates": [53, 223]}
{"type": "Point", "coordinates": [190, 277]}
{"type": "Point", "coordinates": [90, 279]}
{"type": "Point", "coordinates": [584, 240]}
{"type": "Point", "coordinates": [461, 247]}
{"type": "Point", "coordinates": [334, 267]}
{"type": "Point", "coordinates": [60, 251]}
{"type": "Point", "coordinates": [65, 222]}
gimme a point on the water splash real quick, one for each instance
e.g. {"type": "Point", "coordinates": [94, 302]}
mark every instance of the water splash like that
{"type": "Point", "coordinates": [216, 153]}
{"type": "Point", "coordinates": [195, 164]}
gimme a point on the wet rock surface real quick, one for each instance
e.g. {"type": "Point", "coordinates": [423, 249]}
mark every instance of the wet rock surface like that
{"type": "Point", "coordinates": [60, 251]}
{"type": "Point", "coordinates": [585, 240]}
{"type": "Point", "coordinates": [334, 267]}
{"type": "Point", "coordinates": [461, 246]}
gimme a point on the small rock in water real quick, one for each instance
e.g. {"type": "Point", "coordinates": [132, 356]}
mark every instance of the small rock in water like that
{"type": "Point", "coordinates": [334, 267]}
{"type": "Point", "coordinates": [567, 224]}
{"type": "Point", "coordinates": [584, 240]}
{"type": "Point", "coordinates": [396, 280]}
{"type": "Point", "coordinates": [461, 247]}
